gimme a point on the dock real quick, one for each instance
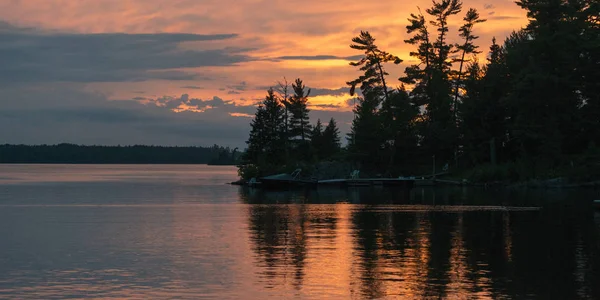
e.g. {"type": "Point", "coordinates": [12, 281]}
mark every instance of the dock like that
{"type": "Point", "coordinates": [358, 182]}
{"type": "Point", "coordinates": [295, 180]}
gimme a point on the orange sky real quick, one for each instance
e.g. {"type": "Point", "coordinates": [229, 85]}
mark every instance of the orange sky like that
{"type": "Point", "coordinates": [276, 38]}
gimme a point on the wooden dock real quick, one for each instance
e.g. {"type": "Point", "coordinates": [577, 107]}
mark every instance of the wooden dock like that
{"type": "Point", "coordinates": [294, 179]}
{"type": "Point", "coordinates": [358, 182]}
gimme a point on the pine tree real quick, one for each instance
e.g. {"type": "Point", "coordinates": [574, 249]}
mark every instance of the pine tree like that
{"type": "Point", "coordinates": [299, 121]}
{"type": "Point", "coordinates": [265, 144]}
{"type": "Point", "coordinates": [397, 117]}
{"type": "Point", "coordinates": [330, 140]}
{"type": "Point", "coordinates": [431, 78]}
{"type": "Point", "coordinates": [283, 90]}
{"type": "Point", "coordinates": [373, 78]}
{"type": "Point", "coordinates": [550, 88]}
{"type": "Point", "coordinates": [316, 139]}
{"type": "Point", "coordinates": [366, 139]}
{"type": "Point", "coordinates": [466, 49]}
{"type": "Point", "coordinates": [483, 110]}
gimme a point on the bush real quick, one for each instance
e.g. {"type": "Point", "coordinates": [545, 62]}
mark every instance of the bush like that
{"type": "Point", "coordinates": [248, 171]}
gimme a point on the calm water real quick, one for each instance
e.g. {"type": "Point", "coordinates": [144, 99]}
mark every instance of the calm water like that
{"type": "Point", "coordinates": [155, 231]}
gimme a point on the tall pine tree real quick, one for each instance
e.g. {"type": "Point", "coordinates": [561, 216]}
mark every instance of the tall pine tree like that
{"type": "Point", "coordinates": [299, 121]}
{"type": "Point", "coordinates": [266, 141]}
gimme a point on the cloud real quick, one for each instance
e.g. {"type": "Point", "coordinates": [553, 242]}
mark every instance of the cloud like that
{"type": "Point", "coordinates": [192, 87]}
{"type": "Point", "coordinates": [34, 56]}
{"type": "Point", "coordinates": [63, 114]}
{"type": "Point", "coordinates": [242, 86]}
{"type": "Point", "coordinates": [325, 105]}
{"type": "Point", "coordinates": [185, 103]}
{"type": "Point", "coordinates": [334, 92]}
{"type": "Point", "coordinates": [488, 6]}
{"type": "Point", "coordinates": [500, 18]}
{"type": "Point", "coordinates": [317, 57]}
{"type": "Point", "coordinates": [351, 102]}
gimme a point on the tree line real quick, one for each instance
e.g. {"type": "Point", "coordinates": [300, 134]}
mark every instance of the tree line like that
{"type": "Point", "coordinates": [281, 134]}
{"type": "Point", "coordinates": [531, 109]}
{"type": "Point", "coordinates": [79, 154]}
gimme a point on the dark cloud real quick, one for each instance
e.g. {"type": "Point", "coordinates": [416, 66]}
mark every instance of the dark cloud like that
{"type": "Point", "coordinates": [242, 86]}
{"type": "Point", "coordinates": [333, 92]}
{"type": "Point", "coordinates": [57, 115]}
{"type": "Point", "coordinates": [325, 105]}
{"type": "Point", "coordinates": [317, 57]}
{"type": "Point", "coordinates": [216, 104]}
{"type": "Point", "coordinates": [192, 87]}
{"type": "Point", "coordinates": [233, 92]}
{"type": "Point", "coordinates": [488, 6]}
{"type": "Point", "coordinates": [139, 98]}
{"type": "Point", "coordinates": [313, 91]}
{"type": "Point", "coordinates": [28, 55]}
{"type": "Point", "coordinates": [503, 18]}
{"type": "Point", "coordinates": [351, 101]}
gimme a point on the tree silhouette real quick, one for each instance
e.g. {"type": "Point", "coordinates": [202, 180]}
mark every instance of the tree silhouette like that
{"type": "Point", "coordinates": [373, 79]}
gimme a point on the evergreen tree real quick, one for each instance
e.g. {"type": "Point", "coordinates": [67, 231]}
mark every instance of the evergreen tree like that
{"type": "Point", "coordinates": [316, 139]}
{"type": "Point", "coordinates": [466, 49]}
{"type": "Point", "coordinates": [398, 117]}
{"type": "Point", "coordinates": [431, 77]}
{"type": "Point", "coordinates": [366, 139]}
{"type": "Point", "coordinates": [284, 96]}
{"type": "Point", "coordinates": [266, 141]}
{"type": "Point", "coordinates": [373, 78]}
{"type": "Point", "coordinates": [484, 112]}
{"type": "Point", "coordinates": [330, 140]}
{"type": "Point", "coordinates": [299, 121]}
{"type": "Point", "coordinates": [551, 84]}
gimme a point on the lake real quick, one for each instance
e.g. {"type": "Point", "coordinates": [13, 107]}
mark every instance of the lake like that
{"type": "Point", "coordinates": [178, 231]}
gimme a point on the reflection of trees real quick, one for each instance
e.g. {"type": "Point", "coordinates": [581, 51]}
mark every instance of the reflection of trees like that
{"type": "Point", "coordinates": [278, 235]}
{"type": "Point", "coordinates": [361, 195]}
{"type": "Point", "coordinates": [415, 254]}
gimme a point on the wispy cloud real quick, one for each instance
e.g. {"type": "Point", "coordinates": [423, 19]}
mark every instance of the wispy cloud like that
{"type": "Point", "coordinates": [142, 49]}
{"type": "Point", "coordinates": [192, 87]}
{"type": "Point", "coordinates": [31, 56]}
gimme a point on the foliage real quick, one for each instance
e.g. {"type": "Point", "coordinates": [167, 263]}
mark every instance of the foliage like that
{"type": "Point", "coordinates": [274, 146]}
{"type": "Point", "coordinates": [299, 122]}
{"type": "Point", "coordinates": [267, 134]}
{"type": "Point", "coordinates": [373, 78]}
{"type": "Point", "coordinates": [529, 112]}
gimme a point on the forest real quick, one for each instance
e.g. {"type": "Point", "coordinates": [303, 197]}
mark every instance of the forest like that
{"type": "Point", "coordinates": [78, 154]}
{"type": "Point", "coordinates": [530, 110]}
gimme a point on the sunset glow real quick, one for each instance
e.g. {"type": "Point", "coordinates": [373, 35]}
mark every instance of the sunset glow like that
{"type": "Point", "coordinates": [233, 50]}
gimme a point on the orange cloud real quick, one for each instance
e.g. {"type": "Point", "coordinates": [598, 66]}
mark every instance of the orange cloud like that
{"type": "Point", "coordinates": [266, 29]}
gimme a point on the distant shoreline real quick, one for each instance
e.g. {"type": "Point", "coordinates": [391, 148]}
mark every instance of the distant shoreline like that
{"type": "Point", "coordinates": [138, 154]}
{"type": "Point", "coordinates": [115, 163]}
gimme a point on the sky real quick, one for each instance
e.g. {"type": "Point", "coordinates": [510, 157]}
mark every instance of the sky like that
{"type": "Point", "coordinates": [191, 72]}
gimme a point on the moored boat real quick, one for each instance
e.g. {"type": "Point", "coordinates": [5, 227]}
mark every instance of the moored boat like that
{"type": "Point", "coordinates": [286, 180]}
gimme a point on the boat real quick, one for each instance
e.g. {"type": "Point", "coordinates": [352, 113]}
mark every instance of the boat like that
{"type": "Point", "coordinates": [286, 180]}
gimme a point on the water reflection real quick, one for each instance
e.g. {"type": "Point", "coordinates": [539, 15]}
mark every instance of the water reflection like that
{"type": "Point", "coordinates": [371, 243]}
{"type": "Point", "coordinates": [179, 232]}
